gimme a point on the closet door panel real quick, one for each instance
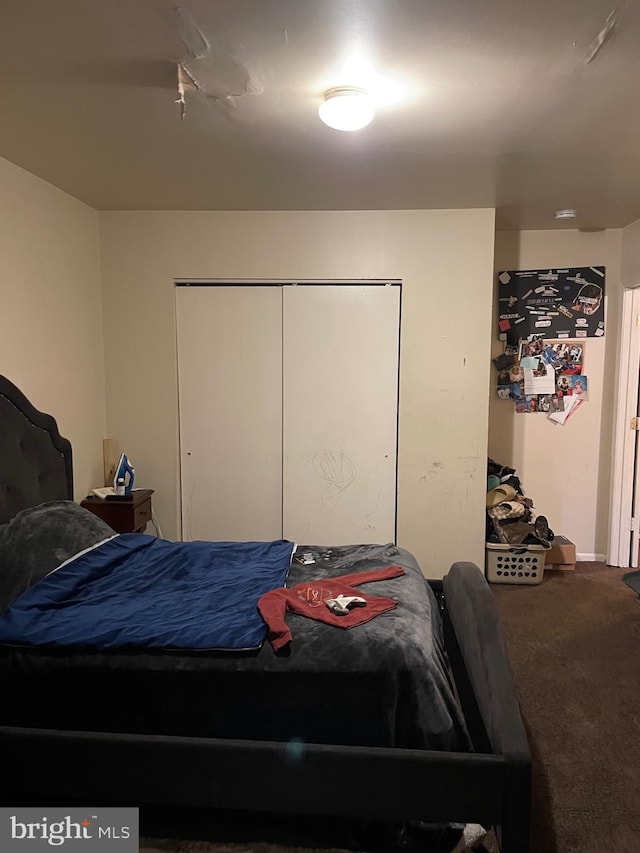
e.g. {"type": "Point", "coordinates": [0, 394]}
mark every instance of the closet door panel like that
{"type": "Point", "coordinates": [229, 342]}
{"type": "Point", "coordinates": [340, 413]}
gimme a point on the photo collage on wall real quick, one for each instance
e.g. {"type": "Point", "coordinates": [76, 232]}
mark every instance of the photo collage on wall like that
{"type": "Point", "coordinates": [543, 318]}
{"type": "Point", "coordinates": [543, 376]}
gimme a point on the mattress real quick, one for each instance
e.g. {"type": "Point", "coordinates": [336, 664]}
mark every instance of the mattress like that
{"type": "Point", "coordinates": [382, 683]}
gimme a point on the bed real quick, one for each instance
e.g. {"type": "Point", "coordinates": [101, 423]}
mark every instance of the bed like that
{"type": "Point", "coordinates": [433, 734]}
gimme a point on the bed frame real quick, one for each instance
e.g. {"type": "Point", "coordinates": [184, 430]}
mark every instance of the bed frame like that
{"type": "Point", "coordinates": [491, 786]}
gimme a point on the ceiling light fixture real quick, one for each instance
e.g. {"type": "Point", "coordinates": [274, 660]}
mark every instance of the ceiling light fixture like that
{"type": "Point", "coordinates": [346, 108]}
{"type": "Point", "coordinates": [565, 214]}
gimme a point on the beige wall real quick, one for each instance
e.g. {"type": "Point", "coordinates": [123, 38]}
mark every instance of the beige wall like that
{"type": "Point", "coordinates": [51, 342]}
{"type": "Point", "coordinates": [52, 346]}
{"type": "Point", "coordinates": [565, 469]}
{"type": "Point", "coordinates": [630, 263]}
{"type": "Point", "coordinates": [445, 259]}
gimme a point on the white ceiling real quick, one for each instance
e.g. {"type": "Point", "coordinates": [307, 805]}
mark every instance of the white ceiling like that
{"type": "Point", "coordinates": [497, 104]}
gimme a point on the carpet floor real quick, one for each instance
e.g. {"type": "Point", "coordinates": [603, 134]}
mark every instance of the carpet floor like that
{"type": "Point", "coordinates": [574, 646]}
{"type": "Point", "coordinates": [291, 836]}
{"type": "Point", "coordinates": [168, 846]}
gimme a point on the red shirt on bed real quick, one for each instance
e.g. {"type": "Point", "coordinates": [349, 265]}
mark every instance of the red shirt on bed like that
{"type": "Point", "coordinates": [309, 599]}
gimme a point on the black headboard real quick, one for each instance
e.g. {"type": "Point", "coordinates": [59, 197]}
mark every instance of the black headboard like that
{"type": "Point", "coordinates": [35, 461]}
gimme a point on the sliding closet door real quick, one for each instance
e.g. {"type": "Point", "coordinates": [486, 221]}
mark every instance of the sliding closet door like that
{"type": "Point", "coordinates": [230, 400]}
{"type": "Point", "coordinates": [341, 346]}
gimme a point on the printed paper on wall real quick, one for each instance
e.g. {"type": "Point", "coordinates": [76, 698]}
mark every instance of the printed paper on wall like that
{"type": "Point", "coordinates": [557, 303]}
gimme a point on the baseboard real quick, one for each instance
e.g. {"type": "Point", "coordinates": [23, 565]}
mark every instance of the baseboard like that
{"type": "Point", "coordinates": [591, 558]}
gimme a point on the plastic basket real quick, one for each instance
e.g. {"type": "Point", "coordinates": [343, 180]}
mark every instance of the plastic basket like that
{"type": "Point", "coordinates": [515, 563]}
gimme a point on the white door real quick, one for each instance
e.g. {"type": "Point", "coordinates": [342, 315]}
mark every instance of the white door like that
{"type": "Point", "coordinates": [288, 412]}
{"type": "Point", "coordinates": [229, 342]}
{"type": "Point", "coordinates": [635, 507]}
{"type": "Point", "coordinates": [341, 345]}
{"type": "Point", "coordinates": [624, 516]}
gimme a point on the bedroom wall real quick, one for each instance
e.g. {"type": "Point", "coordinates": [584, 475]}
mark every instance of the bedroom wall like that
{"type": "Point", "coordinates": [630, 264]}
{"type": "Point", "coordinates": [566, 469]}
{"type": "Point", "coordinates": [51, 343]}
{"type": "Point", "coordinates": [445, 259]}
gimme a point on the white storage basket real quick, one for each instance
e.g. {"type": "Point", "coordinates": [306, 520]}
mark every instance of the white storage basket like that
{"type": "Point", "coordinates": [515, 563]}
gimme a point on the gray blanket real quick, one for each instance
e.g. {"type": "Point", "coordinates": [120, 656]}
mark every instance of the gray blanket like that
{"type": "Point", "coordinates": [38, 539]}
{"type": "Point", "coordinates": [384, 683]}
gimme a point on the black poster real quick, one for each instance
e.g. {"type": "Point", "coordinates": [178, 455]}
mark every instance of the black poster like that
{"type": "Point", "coordinates": [562, 303]}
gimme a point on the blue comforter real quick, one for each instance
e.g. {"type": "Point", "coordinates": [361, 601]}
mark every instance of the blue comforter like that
{"type": "Point", "coordinates": [136, 591]}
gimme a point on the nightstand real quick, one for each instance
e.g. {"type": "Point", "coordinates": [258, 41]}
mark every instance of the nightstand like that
{"type": "Point", "coordinates": [124, 516]}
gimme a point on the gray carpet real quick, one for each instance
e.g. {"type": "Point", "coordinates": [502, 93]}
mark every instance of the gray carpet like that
{"type": "Point", "coordinates": [632, 579]}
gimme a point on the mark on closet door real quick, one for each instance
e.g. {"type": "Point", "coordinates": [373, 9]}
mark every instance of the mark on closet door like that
{"type": "Point", "coordinates": [336, 469]}
{"type": "Point", "coordinates": [307, 528]}
{"type": "Point", "coordinates": [188, 518]}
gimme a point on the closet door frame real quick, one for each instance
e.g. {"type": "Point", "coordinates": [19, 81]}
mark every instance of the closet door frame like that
{"type": "Point", "coordinates": [282, 283]}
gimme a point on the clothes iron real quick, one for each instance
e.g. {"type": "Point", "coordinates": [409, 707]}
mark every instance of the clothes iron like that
{"type": "Point", "coordinates": [123, 480]}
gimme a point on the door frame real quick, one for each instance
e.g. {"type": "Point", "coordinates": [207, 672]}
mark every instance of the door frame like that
{"type": "Point", "coordinates": [623, 538]}
{"type": "Point", "coordinates": [180, 282]}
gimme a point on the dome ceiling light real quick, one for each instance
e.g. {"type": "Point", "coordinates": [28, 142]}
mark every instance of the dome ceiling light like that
{"type": "Point", "coordinates": [566, 213]}
{"type": "Point", "coordinates": [346, 108]}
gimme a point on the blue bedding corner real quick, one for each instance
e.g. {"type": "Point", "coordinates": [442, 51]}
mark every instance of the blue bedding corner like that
{"type": "Point", "coordinates": [136, 591]}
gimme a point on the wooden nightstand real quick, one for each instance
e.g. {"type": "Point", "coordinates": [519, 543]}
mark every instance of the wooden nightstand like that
{"type": "Point", "coordinates": [125, 516]}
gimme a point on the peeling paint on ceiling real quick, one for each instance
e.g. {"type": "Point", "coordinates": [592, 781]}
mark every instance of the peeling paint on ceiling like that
{"type": "Point", "coordinates": [605, 33]}
{"type": "Point", "coordinates": [525, 107]}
